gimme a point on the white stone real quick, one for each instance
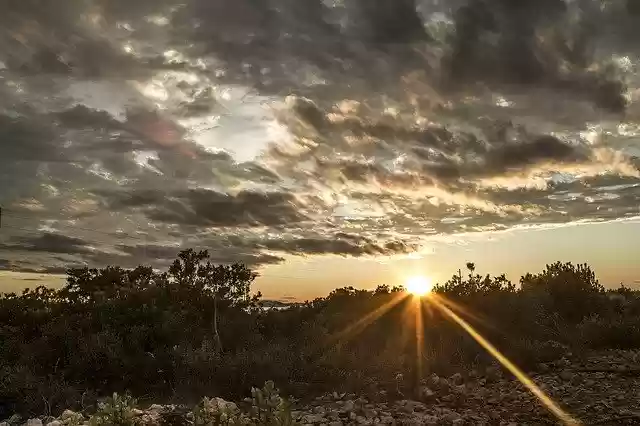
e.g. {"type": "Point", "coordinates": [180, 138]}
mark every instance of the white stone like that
{"type": "Point", "coordinates": [429, 420]}
{"type": "Point", "coordinates": [313, 419]}
{"type": "Point", "coordinates": [68, 414]}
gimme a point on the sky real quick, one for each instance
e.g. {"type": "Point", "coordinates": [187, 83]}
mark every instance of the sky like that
{"type": "Point", "coordinates": [323, 143]}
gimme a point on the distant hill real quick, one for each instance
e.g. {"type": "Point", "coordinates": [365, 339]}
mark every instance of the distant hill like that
{"type": "Point", "coordinates": [275, 304]}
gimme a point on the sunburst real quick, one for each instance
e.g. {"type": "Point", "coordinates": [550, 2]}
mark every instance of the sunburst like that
{"type": "Point", "coordinates": [419, 285]}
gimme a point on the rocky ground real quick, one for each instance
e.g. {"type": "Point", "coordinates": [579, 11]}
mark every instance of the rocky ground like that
{"type": "Point", "coordinates": [602, 389]}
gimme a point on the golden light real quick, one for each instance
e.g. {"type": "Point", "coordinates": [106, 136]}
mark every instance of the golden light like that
{"type": "Point", "coordinates": [418, 285]}
{"type": "Point", "coordinates": [545, 399]}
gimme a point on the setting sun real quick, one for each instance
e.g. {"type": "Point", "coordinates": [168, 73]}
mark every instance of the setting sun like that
{"type": "Point", "coordinates": [418, 285]}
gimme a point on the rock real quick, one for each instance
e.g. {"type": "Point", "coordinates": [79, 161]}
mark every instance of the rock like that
{"type": "Point", "coordinates": [156, 408]}
{"type": "Point", "coordinates": [426, 394]}
{"type": "Point", "coordinates": [69, 415]}
{"type": "Point", "coordinates": [313, 419]}
{"type": "Point", "coordinates": [363, 420]}
{"type": "Point", "coordinates": [460, 390]}
{"type": "Point", "coordinates": [336, 423]}
{"type": "Point", "coordinates": [34, 422]}
{"type": "Point", "coordinates": [348, 406]}
{"type": "Point", "coordinates": [452, 417]}
{"type": "Point", "coordinates": [429, 420]}
{"type": "Point", "coordinates": [456, 379]}
{"type": "Point", "coordinates": [434, 379]}
{"type": "Point", "coordinates": [319, 410]}
{"type": "Point", "coordinates": [333, 415]}
{"type": "Point", "coordinates": [567, 376]}
{"type": "Point", "coordinates": [387, 420]}
{"type": "Point", "coordinates": [443, 384]}
{"type": "Point", "coordinates": [55, 423]}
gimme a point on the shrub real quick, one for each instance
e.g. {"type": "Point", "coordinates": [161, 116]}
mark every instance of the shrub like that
{"type": "Point", "coordinates": [603, 333]}
{"type": "Point", "coordinates": [115, 411]}
{"type": "Point", "coordinates": [268, 408]}
{"type": "Point", "coordinates": [218, 412]}
{"type": "Point", "coordinates": [195, 330]}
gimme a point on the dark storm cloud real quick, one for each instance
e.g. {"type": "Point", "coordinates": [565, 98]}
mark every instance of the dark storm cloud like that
{"type": "Point", "coordinates": [81, 117]}
{"type": "Point", "coordinates": [52, 243]}
{"type": "Point", "coordinates": [340, 244]}
{"type": "Point", "coordinates": [201, 207]}
{"type": "Point", "coordinates": [531, 41]}
{"type": "Point", "coordinates": [26, 139]}
{"type": "Point", "coordinates": [513, 24]}
{"type": "Point", "coordinates": [385, 22]}
{"type": "Point", "coordinates": [219, 252]}
{"type": "Point", "coordinates": [540, 149]}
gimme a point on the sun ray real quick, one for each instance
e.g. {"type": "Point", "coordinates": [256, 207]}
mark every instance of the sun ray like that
{"type": "Point", "coordinates": [551, 405]}
{"type": "Point", "coordinates": [464, 311]}
{"type": "Point", "coordinates": [355, 328]}
{"type": "Point", "coordinates": [447, 308]}
{"type": "Point", "coordinates": [419, 338]}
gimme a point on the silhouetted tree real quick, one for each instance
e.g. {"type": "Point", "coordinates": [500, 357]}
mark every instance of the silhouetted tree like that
{"type": "Point", "coordinates": [572, 290]}
{"type": "Point", "coordinates": [227, 284]}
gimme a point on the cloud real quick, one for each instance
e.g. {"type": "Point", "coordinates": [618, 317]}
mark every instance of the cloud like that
{"type": "Point", "coordinates": [53, 243]}
{"type": "Point", "coordinates": [210, 208]}
{"type": "Point", "coordinates": [262, 129]}
{"type": "Point", "coordinates": [534, 43]}
{"type": "Point", "coordinates": [339, 244]}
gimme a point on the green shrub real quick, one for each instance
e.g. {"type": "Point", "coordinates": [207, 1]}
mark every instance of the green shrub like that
{"type": "Point", "coordinates": [610, 333]}
{"type": "Point", "coordinates": [268, 408]}
{"type": "Point", "coordinates": [218, 412]}
{"type": "Point", "coordinates": [115, 411]}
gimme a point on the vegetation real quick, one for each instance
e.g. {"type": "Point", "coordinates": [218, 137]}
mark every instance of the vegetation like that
{"type": "Point", "coordinates": [196, 330]}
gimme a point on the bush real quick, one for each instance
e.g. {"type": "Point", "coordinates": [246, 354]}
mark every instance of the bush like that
{"type": "Point", "coordinates": [116, 411]}
{"type": "Point", "coordinates": [612, 333]}
{"type": "Point", "coordinates": [195, 330]}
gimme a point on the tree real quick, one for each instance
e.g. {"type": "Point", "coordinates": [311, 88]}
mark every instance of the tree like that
{"type": "Point", "coordinates": [571, 290]}
{"type": "Point", "coordinates": [474, 284]}
{"type": "Point", "coordinates": [91, 285]}
{"type": "Point", "coordinates": [229, 285]}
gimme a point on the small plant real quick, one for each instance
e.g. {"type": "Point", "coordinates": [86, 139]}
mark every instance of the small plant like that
{"type": "Point", "coordinates": [14, 420]}
{"type": "Point", "coordinates": [72, 419]}
{"type": "Point", "coordinates": [268, 408]}
{"type": "Point", "coordinates": [115, 411]}
{"type": "Point", "coordinates": [218, 412]}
